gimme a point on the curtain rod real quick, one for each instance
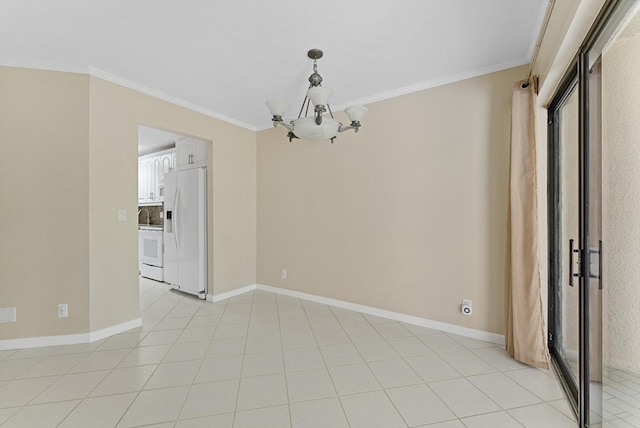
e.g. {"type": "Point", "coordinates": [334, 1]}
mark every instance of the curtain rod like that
{"type": "Point", "coordinates": [543, 30]}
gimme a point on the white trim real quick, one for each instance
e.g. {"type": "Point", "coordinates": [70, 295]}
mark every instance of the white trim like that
{"type": "Point", "coordinates": [409, 319]}
{"type": "Point", "coordinates": [114, 329]}
{"type": "Point", "coordinates": [100, 74]}
{"type": "Point", "coordinates": [68, 339]}
{"type": "Point", "coordinates": [232, 293]}
{"type": "Point", "coordinates": [38, 342]}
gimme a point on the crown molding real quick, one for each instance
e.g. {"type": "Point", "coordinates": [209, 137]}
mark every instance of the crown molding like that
{"type": "Point", "coordinates": [101, 74]}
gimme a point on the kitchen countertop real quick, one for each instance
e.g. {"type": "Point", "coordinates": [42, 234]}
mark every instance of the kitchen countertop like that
{"type": "Point", "coordinates": [150, 227]}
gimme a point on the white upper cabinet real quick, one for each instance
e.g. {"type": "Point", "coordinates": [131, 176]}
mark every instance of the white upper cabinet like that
{"type": "Point", "coordinates": [151, 171]}
{"type": "Point", "coordinates": [191, 153]}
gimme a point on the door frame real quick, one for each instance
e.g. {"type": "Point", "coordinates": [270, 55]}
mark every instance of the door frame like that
{"type": "Point", "coordinates": [576, 77]}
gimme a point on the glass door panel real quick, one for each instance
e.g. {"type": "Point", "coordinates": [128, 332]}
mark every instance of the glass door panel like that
{"type": "Point", "coordinates": [567, 329]}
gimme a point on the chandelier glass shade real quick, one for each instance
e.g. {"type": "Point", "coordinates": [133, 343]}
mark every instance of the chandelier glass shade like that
{"type": "Point", "coordinates": [319, 126]}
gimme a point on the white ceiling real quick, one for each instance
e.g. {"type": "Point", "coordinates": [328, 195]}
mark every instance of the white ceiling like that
{"type": "Point", "coordinates": [225, 58]}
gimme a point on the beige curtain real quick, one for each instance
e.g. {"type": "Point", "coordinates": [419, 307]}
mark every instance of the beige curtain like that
{"type": "Point", "coordinates": [525, 329]}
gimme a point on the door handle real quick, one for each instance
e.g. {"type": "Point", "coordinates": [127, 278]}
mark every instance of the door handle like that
{"type": "Point", "coordinates": [571, 251]}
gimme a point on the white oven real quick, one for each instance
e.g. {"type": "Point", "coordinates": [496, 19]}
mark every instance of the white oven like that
{"type": "Point", "coordinates": [151, 252]}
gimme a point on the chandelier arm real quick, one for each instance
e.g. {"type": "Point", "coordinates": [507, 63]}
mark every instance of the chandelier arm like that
{"type": "Point", "coordinates": [289, 126]}
{"type": "Point", "coordinates": [330, 112]}
{"type": "Point", "coordinates": [354, 125]}
{"type": "Point", "coordinates": [302, 106]}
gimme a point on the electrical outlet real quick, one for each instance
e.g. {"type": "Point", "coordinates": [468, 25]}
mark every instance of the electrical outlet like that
{"type": "Point", "coordinates": [63, 310]}
{"type": "Point", "coordinates": [467, 307]}
{"type": "Point", "coordinates": [7, 314]}
{"type": "Point", "coordinates": [122, 215]}
{"type": "Point", "coordinates": [283, 273]}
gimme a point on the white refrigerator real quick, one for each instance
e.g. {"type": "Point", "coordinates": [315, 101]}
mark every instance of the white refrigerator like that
{"type": "Point", "coordinates": [185, 230]}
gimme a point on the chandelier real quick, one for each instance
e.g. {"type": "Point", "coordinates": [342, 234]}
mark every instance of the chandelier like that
{"type": "Point", "coordinates": [317, 127]}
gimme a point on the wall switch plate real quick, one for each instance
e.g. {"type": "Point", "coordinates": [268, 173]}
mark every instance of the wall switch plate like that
{"type": "Point", "coordinates": [283, 273]}
{"type": "Point", "coordinates": [7, 314]}
{"type": "Point", "coordinates": [63, 310]}
{"type": "Point", "coordinates": [122, 214]}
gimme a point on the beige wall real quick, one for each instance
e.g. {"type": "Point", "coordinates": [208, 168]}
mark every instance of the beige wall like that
{"type": "Point", "coordinates": [116, 113]}
{"type": "Point", "coordinates": [44, 207]}
{"type": "Point", "coordinates": [78, 138]}
{"type": "Point", "coordinates": [408, 215]}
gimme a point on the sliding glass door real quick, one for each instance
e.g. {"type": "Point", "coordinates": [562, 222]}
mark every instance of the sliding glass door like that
{"type": "Point", "coordinates": [594, 179]}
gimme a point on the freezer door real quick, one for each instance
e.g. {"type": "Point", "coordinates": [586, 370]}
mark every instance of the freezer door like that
{"type": "Point", "coordinates": [170, 241]}
{"type": "Point", "coordinates": [190, 228]}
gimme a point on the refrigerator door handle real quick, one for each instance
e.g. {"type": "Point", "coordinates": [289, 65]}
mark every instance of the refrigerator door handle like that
{"type": "Point", "coordinates": [175, 218]}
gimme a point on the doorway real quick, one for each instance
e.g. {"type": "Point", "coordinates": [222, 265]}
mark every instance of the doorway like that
{"type": "Point", "coordinates": [594, 178]}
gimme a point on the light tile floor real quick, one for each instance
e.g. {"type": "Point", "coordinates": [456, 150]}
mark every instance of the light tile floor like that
{"type": "Point", "coordinates": [263, 360]}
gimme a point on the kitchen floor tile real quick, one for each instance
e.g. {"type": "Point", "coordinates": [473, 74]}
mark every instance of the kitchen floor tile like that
{"type": "Point", "coordinates": [394, 373]}
{"type": "Point", "coordinates": [545, 387]}
{"type": "Point", "coordinates": [100, 360]}
{"type": "Point", "coordinates": [262, 364]}
{"type": "Point", "coordinates": [187, 351]}
{"type": "Point", "coordinates": [376, 350]}
{"type": "Point", "coordinates": [226, 347]}
{"type": "Point", "coordinates": [492, 420]}
{"type": "Point", "coordinates": [390, 330]}
{"type": "Point", "coordinates": [440, 342]}
{"type": "Point", "coordinates": [11, 369]}
{"type": "Point", "coordinates": [163, 337]}
{"type": "Point", "coordinates": [122, 341]}
{"type": "Point", "coordinates": [7, 413]}
{"type": "Point", "coordinates": [156, 406]}
{"type": "Point", "coordinates": [206, 399]}
{"type": "Point", "coordinates": [173, 374]}
{"type": "Point", "coordinates": [409, 346]}
{"type": "Point", "coordinates": [309, 385]}
{"type": "Point", "coordinates": [262, 391]}
{"type": "Point", "coordinates": [463, 397]}
{"type": "Point", "coordinates": [504, 391]}
{"type": "Point", "coordinates": [71, 387]}
{"type": "Point", "coordinates": [331, 336]}
{"type": "Point", "coordinates": [467, 363]}
{"type": "Point", "coordinates": [54, 365]}
{"type": "Point", "coordinates": [269, 417]}
{"type": "Point", "coordinates": [217, 421]}
{"type": "Point", "coordinates": [541, 415]}
{"type": "Point", "coordinates": [99, 412]}
{"type": "Point", "coordinates": [303, 359]}
{"type": "Point", "coordinates": [20, 392]}
{"type": "Point", "coordinates": [259, 344]}
{"type": "Point", "coordinates": [282, 360]}
{"type": "Point", "coordinates": [196, 334]}
{"type": "Point", "coordinates": [303, 339]}
{"type": "Point", "coordinates": [418, 405]}
{"type": "Point", "coordinates": [340, 354]}
{"type": "Point", "coordinates": [127, 379]}
{"type": "Point", "coordinates": [354, 378]}
{"type": "Point", "coordinates": [145, 355]}
{"type": "Point", "coordinates": [223, 368]}
{"type": "Point", "coordinates": [371, 410]}
{"type": "Point", "coordinates": [41, 416]}
{"type": "Point", "coordinates": [318, 414]}
{"type": "Point", "coordinates": [432, 368]}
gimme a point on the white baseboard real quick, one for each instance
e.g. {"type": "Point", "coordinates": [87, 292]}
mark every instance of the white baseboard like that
{"type": "Point", "coordinates": [68, 339]}
{"type": "Point", "coordinates": [409, 319]}
{"type": "Point", "coordinates": [232, 293]}
{"type": "Point", "coordinates": [115, 329]}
